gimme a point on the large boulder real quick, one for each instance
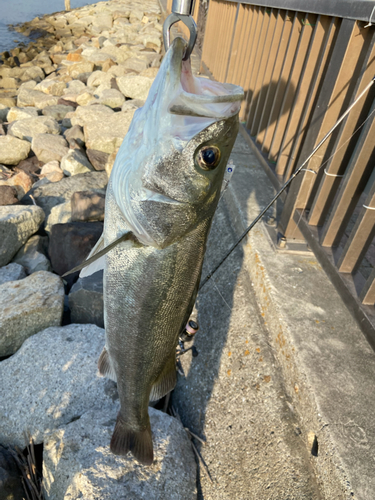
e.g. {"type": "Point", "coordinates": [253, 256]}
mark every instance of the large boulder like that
{"type": "Point", "coordinates": [29, 306]}
{"type": "Point", "coordinates": [58, 382]}
{"type": "Point", "coordinates": [78, 463]}
{"type": "Point", "coordinates": [13, 150]}
{"type": "Point", "coordinates": [52, 194]}
{"type": "Point", "coordinates": [28, 128]}
{"type": "Point", "coordinates": [17, 224]}
{"type": "Point", "coordinates": [86, 300]}
{"type": "Point", "coordinates": [48, 147]}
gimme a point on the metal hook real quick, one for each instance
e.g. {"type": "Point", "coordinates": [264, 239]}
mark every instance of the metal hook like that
{"type": "Point", "coordinates": [189, 22]}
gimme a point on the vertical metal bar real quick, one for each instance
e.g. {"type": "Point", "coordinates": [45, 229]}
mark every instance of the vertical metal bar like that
{"type": "Point", "coordinates": [208, 38]}
{"type": "Point", "coordinates": [344, 145]}
{"type": "Point", "coordinates": [282, 82]}
{"type": "Point", "coordinates": [304, 93]}
{"type": "Point", "coordinates": [276, 71]}
{"type": "Point", "coordinates": [237, 45]}
{"type": "Point", "coordinates": [299, 192]}
{"type": "Point", "coordinates": [293, 87]}
{"type": "Point", "coordinates": [261, 55]}
{"type": "Point", "coordinates": [227, 39]}
{"type": "Point", "coordinates": [361, 236]}
{"type": "Point", "coordinates": [359, 170]}
{"type": "Point", "coordinates": [367, 295]}
{"type": "Point", "coordinates": [234, 34]}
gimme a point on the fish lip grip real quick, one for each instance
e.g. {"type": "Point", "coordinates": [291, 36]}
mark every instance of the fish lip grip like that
{"type": "Point", "coordinates": [181, 11]}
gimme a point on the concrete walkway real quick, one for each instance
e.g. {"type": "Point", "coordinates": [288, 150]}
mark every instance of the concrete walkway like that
{"type": "Point", "coordinates": [283, 387]}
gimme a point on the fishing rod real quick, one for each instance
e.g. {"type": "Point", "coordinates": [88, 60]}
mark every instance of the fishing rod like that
{"type": "Point", "coordinates": [297, 171]}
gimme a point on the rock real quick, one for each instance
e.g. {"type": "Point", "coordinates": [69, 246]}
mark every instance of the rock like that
{"type": "Point", "coordinates": [98, 114]}
{"type": "Point", "coordinates": [134, 86]}
{"type": "Point", "coordinates": [99, 78]}
{"type": "Point", "coordinates": [52, 171]}
{"type": "Point", "coordinates": [31, 305]}
{"type": "Point", "coordinates": [52, 194]}
{"type": "Point", "coordinates": [70, 244]}
{"type": "Point", "coordinates": [31, 97]}
{"type": "Point", "coordinates": [30, 166]}
{"type": "Point", "coordinates": [80, 68]}
{"type": "Point", "coordinates": [9, 83]}
{"type": "Point", "coordinates": [12, 272]}
{"type": "Point", "coordinates": [8, 195]}
{"type": "Point", "coordinates": [75, 162]}
{"type": "Point", "coordinates": [33, 73]}
{"type": "Point", "coordinates": [17, 224]}
{"type": "Point", "coordinates": [13, 150]}
{"type": "Point", "coordinates": [86, 468]}
{"type": "Point", "coordinates": [58, 111]}
{"type": "Point", "coordinates": [58, 381]}
{"type": "Point", "coordinates": [74, 87]}
{"type": "Point", "coordinates": [132, 104]}
{"type": "Point", "coordinates": [87, 206]}
{"type": "Point", "coordinates": [60, 214]}
{"type": "Point", "coordinates": [10, 477]}
{"type": "Point", "coordinates": [29, 128]}
{"type": "Point", "coordinates": [110, 134]}
{"type": "Point", "coordinates": [22, 182]}
{"type": "Point", "coordinates": [52, 87]}
{"type": "Point", "coordinates": [21, 113]}
{"type": "Point", "coordinates": [110, 162]}
{"type": "Point", "coordinates": [4, 110]}
{"type": "Point", "coordinates": [112, 98]}
{"type": "Point", "coordinates": [75, 133]}
{"type": "Point", "coordinates": [103, 20]}
{"type": "Point", "coordinates": [98, 159]}
{"type": "Point", "coordinates": [48, 147]}
{"type": "Point", "coordinates": [136, 64]}
{"type": "Point", "coordinates": [10, 102]}
{"type": "Point", "coordinates": [32, 256]}
{"type": "Point", "coordinates": [86, 300]}
{"type": "Point", "coordinates": [85, 98]}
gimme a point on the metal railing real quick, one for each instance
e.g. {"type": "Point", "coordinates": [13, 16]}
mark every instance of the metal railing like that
{"type": "Point", "coordinates": [300, 71]}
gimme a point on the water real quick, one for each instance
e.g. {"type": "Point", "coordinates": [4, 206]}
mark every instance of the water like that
{"type": "Point", "coordinates": [19, 11]}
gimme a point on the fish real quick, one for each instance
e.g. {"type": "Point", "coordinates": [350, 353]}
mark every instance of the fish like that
{"type": "Point", "coordinates": [161, 197]}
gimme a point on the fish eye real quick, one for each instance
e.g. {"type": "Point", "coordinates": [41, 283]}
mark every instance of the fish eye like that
{"type": "Point", "coordinates": [208, 157]}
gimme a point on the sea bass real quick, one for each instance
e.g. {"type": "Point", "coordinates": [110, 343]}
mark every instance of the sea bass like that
{"type": "Point", "coordinates": [161, 198]}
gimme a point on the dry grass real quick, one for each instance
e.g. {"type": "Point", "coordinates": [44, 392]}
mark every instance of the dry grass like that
{"type": "Point", "coordinates": [31, 478]}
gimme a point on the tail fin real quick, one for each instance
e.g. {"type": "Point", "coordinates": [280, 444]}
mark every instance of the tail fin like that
{"type": "Point", "coordinates": [139, 443]}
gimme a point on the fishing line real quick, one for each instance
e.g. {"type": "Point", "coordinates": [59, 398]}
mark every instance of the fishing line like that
{"type": "Point", "coordinates": [292, 177]}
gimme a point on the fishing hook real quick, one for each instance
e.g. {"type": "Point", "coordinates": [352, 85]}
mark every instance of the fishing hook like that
{"type": "Point", "coordinates": [181, 11]}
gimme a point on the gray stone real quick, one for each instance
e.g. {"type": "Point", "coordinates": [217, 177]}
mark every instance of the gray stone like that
{"type": "Point", "coordinates": [52, 171]}
{"type": "Point", "coordinates": [98, 78]}
{"type": "Point", "coordinates": [97, 114]}
{"type": "Point", "coordinates": [134, 86]}
{"type": "Point", "coordinates": [74, 87]}
{"type": "Point", "coordinates": [32, 256]}
{"type": "Point", "coordinates": [112, 98]}
{"type": "Point", "coordinates": [51, 87]}
{"type": "Point", "coordinates": [17, 224]}
{"type": "Point", "coordinates": [8, 194]}
{"type": "Point", "coordinates": [12, 272]}
{"type": "Point", "coordinates": [87, 469]}
{"type": "Point", "coordinates": [58, 382]}
{"type": "Point", "coordinates": [28, 128]}
{"type": "Point", "coordinates": [33, 73]}
{"type": "Point", "coordinates": [75, 162]}
{"type": "Point", "coordinates": [52, 194]}
{"type": "Point", "coordinates": [132, 104]}
{"type": "Point", "coordinates": [109, 136]}
{"type": "Point", "coordinates": [75, 133]}
{"type": "Point", "coordinates": [60, 214]}
{"type": "Point", "coordinates": [4, 110]}
{"type": "Point", "coordinates": [13, 150]}
{"type": "Point", "coordinates": [48, 147]}
{"type": "Point", "coordinates": [136, 64]}
{"type": "Point", "coordinates": [21, 113]}
{"type": "Point", "coordinates": [58, 111]}
{"type": "Point", "coordinates": [31, 97]}
{"type": "Point", "coordinates": [86, 300]}
{"type": "Point", "coordinates": [32, 304]}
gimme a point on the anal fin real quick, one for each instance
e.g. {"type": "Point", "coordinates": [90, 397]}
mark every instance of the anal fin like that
{"type": "Point", "coordinates": [105, 366]}
{"type": "Point", "coordinates": [166, 381]}
{"type": "Point", "coordinates": [139, 443]}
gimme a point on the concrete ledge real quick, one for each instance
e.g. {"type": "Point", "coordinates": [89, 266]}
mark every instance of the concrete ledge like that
{"type": "Point", "coordinates": [327, 364]}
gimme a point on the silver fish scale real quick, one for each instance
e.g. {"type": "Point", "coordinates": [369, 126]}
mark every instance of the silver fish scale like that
{"type": "Point", "coordinates": [148, 292]}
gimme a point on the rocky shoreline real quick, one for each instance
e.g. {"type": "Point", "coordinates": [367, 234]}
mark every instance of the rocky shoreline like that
{"type": "Point", "coordinates": [66, 103]}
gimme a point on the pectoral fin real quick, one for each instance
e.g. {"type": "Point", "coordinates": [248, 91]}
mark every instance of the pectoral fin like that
{"type": "Point", "coordinates": [105, 366]}
{"type": "Point", "coordinates": [97, 253]}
